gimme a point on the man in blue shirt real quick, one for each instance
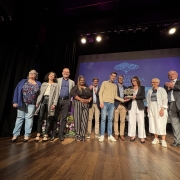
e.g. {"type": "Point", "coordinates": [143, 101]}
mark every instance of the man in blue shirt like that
{"type": "Point", "coordinates": [65, 86]}
{"type": "Point", "coordinates": [120, 110]}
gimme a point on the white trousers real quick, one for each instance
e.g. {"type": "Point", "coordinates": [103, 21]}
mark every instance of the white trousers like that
{"type": "Point", "coordinates": [136, 115]}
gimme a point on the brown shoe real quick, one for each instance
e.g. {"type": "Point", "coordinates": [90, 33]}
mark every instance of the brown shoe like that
{"type": "Point", "coordinates": [116, 137]}
{"type": "Point", "coordinates": [122, 138]}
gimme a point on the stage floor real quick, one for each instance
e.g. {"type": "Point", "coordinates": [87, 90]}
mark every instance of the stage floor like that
{"type": "Point", "coordinates": [88, 160]}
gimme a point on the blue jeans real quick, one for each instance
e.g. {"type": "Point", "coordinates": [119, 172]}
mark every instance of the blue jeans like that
{"type": "Point", "coordinates": [109, 110]}
{"type": "Point", "coordinates": [26, 112]}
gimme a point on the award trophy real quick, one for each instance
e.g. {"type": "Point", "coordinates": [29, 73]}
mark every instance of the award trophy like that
{"type": "Point", "coordinates": [128, 93]}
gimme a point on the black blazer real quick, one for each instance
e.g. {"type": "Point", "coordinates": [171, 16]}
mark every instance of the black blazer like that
{"type": "Point", "coordinates": [140, 96]}
{"type": "Point", "coordinates": [97, 99]}
{"type": "Point", "coordinates": [176, 93]}
{"type": "Point", "coordinates": [116, 102]}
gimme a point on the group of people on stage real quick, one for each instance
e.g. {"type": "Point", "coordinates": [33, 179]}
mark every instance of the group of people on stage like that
{"type": "Point", "coordinates": [53, 98]}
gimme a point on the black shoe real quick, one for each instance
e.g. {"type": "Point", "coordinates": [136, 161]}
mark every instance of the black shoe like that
{"type": "Point", "coordinates": [175, 144]}
{"type": "Point", "coordinates": [14, 140]}
{"type": "Point", "coordinates": [132, 139]}
{"type": "Point", "coordinates": [25, 140]}
{"type": "Point", "coordinates": [52, 138]}
{"type": "Point", "coordinates": [61, 138]}
{"type": "Point", "coordinates": [142, 142]}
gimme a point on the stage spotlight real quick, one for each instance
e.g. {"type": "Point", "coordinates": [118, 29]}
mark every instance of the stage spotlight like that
{"type": "Point", "coordinates": [172, 31]}
{"type": "Point", "coordinates": [83, 40]}
{"type": "Point", "coordinates": [98, 38]}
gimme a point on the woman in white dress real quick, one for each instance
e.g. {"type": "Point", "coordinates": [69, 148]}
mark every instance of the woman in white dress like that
{"type": "Point", "coordinates": [157, 111]}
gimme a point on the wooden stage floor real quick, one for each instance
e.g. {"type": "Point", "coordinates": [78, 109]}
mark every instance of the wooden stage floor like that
{"type": "Point", "coordinates": [90, 159]}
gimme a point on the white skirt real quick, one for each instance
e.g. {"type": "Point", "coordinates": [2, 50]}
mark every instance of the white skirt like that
{"type": "Point", "coordinates": [157, 124]}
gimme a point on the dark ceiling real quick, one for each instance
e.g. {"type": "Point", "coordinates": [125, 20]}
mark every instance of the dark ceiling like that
{"type": "Point", "coordinates": [109, 14]}
{"type": "Point", "coordinates": [89, 16]}
{"type": "Point", "coordinates": [96, 15]}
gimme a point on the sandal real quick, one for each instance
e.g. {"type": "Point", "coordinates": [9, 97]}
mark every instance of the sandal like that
{"type": "Point", "coordinates": [26, 138]}
{"type": "Point", "coordinates": [14, 139]}
{"type": "Point", "coordinates": [37, 137]}
{"type": "Point", "coordinates": [45, 138]}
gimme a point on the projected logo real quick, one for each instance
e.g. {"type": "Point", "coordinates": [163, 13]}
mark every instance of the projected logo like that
{"type": "Point", "coordinates": [126, 67]}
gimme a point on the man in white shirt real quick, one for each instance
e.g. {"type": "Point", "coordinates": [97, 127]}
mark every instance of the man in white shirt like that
{"type": "Point", "coordinates": [173, 90]}
{"type": "Point", "coordinates": [94, 110]}
{"type": "Point", "coordinates": [120, 110]}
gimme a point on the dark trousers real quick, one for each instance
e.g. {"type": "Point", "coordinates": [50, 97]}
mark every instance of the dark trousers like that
{"type": "Point", "coordinates": [62, 111]}
{"type": "Point", "coordinates": [43, 111]}
{"type": "Point", "coordinates": [174, 114]}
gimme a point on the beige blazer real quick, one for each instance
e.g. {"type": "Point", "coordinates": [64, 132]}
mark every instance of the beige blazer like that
{"type": "Point", "coordinates": [53, 97]}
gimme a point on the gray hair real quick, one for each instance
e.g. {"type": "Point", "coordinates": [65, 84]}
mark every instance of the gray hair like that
{"type": "Point", "coordinates": [34, 72]}
{"type": "Point", "coordinates": [156, 79]}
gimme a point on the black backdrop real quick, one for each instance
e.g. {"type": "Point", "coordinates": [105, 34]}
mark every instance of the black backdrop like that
{"type": "Point", "coordinates": [37, 38]}
{"type": "Point", "coordinates": [31, 41]}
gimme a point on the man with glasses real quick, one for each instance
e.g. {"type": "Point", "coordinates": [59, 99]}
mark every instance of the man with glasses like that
{"type": "Point", "coordinates": [65, 86]}
{"type": "Point", "coordinates": [107, 94]}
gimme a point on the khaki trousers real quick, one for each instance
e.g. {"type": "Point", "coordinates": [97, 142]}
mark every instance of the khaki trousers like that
{"type": "Point", "coordinates": [94, 110]}
{"type": "Point", "coordinates": [121, 110]}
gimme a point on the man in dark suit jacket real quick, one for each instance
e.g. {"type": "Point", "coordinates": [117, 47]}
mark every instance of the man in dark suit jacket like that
{"type": "Point", "coordinates": [120, 109]}
{"type": "Point", "coordinates": [94, 110]}
{"type": "Point", "coordinates": [173, 90]}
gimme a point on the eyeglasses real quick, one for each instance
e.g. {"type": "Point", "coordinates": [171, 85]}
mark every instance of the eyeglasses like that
{"type": "Point", "coordinates": [133, 80]}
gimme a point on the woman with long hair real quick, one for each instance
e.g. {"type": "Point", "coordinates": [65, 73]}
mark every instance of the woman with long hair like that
{"type": "Point", "coordinates": [46, 102]}
{"type": "Point", "coordinates": [82, 97]}
{"type": "Point", "coordinates": [136, 111]}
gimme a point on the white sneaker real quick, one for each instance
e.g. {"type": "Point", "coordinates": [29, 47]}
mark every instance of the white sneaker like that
{"type": "Point", "coordinates": [101, 139]}
{"type": "Point", "coordinates": [111, 138]}
{"type": "Point", "coordinates": [97, 136]}
{"type": "Point", "coordinates": [164, 144]}
{"type": "Point", "coordinates": [155, 141]}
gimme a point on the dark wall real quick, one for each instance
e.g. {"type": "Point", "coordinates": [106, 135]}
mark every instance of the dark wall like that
{"type": "Point", "coordinates": [22, 48]}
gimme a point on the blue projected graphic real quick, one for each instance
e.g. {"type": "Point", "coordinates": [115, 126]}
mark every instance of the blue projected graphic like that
{"type": "Point", "coordinates": [145, 69]}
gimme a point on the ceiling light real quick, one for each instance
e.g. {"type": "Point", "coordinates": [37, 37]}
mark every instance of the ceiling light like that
{"type": "Point", "coordinates": [83, 40]}
{"type": "Point", "coordinates": [172, 31]}
{"type": "Point", "coordinates": [98, 38]}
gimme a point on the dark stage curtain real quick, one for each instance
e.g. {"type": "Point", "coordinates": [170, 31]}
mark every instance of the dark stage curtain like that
{"type": "Point", "coordinates": [21, 52]}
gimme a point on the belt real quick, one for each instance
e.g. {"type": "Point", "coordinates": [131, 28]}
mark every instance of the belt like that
{"type": "Point", "coordinates": [64, 98]}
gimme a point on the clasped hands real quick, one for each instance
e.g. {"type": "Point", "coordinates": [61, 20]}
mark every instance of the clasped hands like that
{"type": "Point", "coordinates": [170, 85]}
{"type": "Point", "coordinates": [84, 101]}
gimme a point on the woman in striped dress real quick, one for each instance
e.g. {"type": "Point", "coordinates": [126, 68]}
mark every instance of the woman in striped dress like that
{"type": "Point", "coordinates": [82, 97]}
